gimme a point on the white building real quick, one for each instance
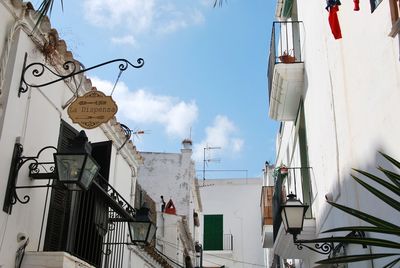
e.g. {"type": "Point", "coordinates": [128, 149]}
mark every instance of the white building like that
{"type": "Point", "coordinates": [337, 101]}
{"type": "Point", "coordinates": [231, 223]}
{"type": "Point", "coordinates": [57, 227]}
{"type": "Point", "coordinates": [172, 175]}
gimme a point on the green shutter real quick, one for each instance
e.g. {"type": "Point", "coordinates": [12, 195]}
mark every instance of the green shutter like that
{"type": "Point", "coordinates": [213, 232]}
{"type": "Point", "coordinates": [287, 9]}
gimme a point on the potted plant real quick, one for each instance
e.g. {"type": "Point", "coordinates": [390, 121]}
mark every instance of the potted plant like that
{"type": "Point", "coordinates": [287, 58]}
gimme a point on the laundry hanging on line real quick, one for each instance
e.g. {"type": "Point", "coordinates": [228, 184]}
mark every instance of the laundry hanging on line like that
{"type": "Point", "coordinates": [333, 7]}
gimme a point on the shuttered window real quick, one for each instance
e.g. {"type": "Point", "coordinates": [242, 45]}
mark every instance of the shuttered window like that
{"type": "Point", "coordinates": [213, 232]}
{"type": "Point", "coordinates": [60, 201]}
{"type": "Point", "coordinates": [78, 220]}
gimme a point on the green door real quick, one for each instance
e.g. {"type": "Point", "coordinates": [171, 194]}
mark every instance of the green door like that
{"type": "Point", "coordinates": [213, 232]}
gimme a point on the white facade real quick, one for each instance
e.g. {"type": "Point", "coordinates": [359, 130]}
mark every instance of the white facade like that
{"type": "Point", "coordinates": [238, 201]}
{"type": "Point", "coordinates": [33, 119]}
{"type": "Point", "coordinates": [172, 175]}
{"type": "Point", "coordinates": [347, 111]}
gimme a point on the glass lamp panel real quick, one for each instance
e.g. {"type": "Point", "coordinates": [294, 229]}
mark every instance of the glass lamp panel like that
{"type": "Point", "coordinates": [69, 167]}
{"type": "Point", "coordinates": [139, 231]}
{"type": "Point", "coordinates": [152, 232]}
{"type": "Point", "coordinates": [89, 172]}
{"type": "Point", "coordinates": [294, 216]}
{"type": "Point", "coordinates": [284, 219]}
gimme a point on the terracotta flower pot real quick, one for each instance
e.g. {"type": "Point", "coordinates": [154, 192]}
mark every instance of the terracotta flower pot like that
{"type": "Point", "coordinates": [287, 58]}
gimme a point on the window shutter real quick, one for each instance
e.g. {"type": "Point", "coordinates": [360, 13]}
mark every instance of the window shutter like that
{"type": "Point", "coordinates": [213, 232]}
{"type": "Point", "coordinates": [60, 201]}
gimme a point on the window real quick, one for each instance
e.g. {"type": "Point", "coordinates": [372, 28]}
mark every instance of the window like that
{"type": "Point", "coordinates": [213, 232]}
{"type": "Point", "coordinates": [77, 221]}
{"type": "Point", "coordinates": [374, 4]}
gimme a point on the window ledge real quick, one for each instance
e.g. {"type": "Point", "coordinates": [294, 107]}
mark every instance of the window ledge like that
{"type": "Point", "coordinates": [52, 260]}
{"type": "Point", "coordinates": [218, 252]}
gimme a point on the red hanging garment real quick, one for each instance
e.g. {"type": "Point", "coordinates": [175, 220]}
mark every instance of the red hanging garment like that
{"type": "Point", "coordinates": [334, 22]}
{"type": "Point", "coordinates": [356, 5]}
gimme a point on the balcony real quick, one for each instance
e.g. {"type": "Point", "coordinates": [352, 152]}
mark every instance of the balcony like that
{"type": "Point", "coordinates": [228, 242]}
{"type": "Point", "coordinates": [298, 180]}
{"type": "Point", "coordinates": [285, 70]}
{"type": "Point", "coordinates": [266, 216]}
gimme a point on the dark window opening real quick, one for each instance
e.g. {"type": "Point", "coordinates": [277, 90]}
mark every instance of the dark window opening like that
{"type": "Point", "coordinates": [78, 221]}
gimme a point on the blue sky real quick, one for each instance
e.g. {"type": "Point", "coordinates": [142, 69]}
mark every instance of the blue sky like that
{"type": "Point", "coordinates": [204, 73]}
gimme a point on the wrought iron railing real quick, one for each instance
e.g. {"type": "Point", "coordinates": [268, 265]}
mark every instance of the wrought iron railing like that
{"type": "Point", "coordinates": [285, 47]}
{"type": "Point", "coordinates": [228, 242]}
{"type": "Point", "coordinates": [266, 205]}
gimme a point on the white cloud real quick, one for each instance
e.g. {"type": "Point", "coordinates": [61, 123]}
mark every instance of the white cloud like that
{"type": "Point", "coordinates": [222, 133]}
{"type": "Point", "coordinates": [143, 16]}
{"type": "Point", "coordinates": [143, 107]}
{"type": "Point", "coordinates": [124, 40]}
{"type": "Point", "coordinates": [110, 13]}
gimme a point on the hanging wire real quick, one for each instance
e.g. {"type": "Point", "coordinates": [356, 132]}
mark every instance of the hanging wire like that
{"type": "Point", "coordinates": [116, 81]}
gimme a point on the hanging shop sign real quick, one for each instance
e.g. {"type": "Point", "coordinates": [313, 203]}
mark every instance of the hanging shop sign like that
{"type": "Point", "coordinates": [92, 109]}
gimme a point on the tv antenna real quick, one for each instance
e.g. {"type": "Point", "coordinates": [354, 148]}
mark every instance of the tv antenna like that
{"type": "Point", "coordinates": [129, 132]}
{"type": "Point", "coordinates": [208, 160]}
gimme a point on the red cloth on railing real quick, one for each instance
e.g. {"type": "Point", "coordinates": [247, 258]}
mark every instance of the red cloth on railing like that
{"type": "Point", "coordinates": [334, 22]}
{"type": "Point", "coordinates": [356, 5]}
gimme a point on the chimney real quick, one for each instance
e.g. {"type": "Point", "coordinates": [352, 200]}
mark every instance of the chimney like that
{"type": "Point", "coordinates": [187, 144]}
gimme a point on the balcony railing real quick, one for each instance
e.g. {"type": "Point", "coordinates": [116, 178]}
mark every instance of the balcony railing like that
{"type": "Point", "coordinates": [266, 205]}
{"type": "Point", "coordinates": [297, 181]}
{"type": "Point", "coordinates": [285, 46]}
{"type": "Point", "coordinates": [228, 242]}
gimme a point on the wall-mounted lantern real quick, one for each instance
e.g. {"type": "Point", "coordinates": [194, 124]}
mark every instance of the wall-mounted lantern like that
{"type": "Point", "coordinates": [142, 229]}
{"type": "Point", "coordinates": [293, 212]}
{"type": "Point", "coordinates": [76, 169]}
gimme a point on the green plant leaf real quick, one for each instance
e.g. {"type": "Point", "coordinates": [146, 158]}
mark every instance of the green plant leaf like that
{"type": "Point", "coordinates": [355, 258]}
{"type": "Point", "coordinates": [354, 240]}
{"type": "Point", "coordinates": [394, 177]}
{"type": "Point", "coordinates": [365, 229]}
{"type": "Point", "coordinates": [384, 183]}
{"type": "Point", "coordinates": [391, 160]}
{"type": "Point", "coordinates": [388, 200]}
{"type": "Point", "coordinates": [364, 216]}
{"type": "Point", "coordinates": [391, 264]}
{"type": "Point", "coordinates": [46, 6]}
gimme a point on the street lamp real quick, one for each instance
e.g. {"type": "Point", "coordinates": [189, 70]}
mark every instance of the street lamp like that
{"type": "Point", "coordinates": [292, 213]}
{"type": "Point", "coordinates": [142, 229]}
{"type": "Point", "coordinates": [199, 255]}
{"type": "Point", "coordinates": [76, 169]}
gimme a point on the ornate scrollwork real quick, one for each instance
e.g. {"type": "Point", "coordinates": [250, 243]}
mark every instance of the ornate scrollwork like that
{"type": "Point", "coordinates": [17, 162]}
{"type": "Point", "coordinates": [325, 248]}
{"type": "Point", "coordinates": [70, 68]}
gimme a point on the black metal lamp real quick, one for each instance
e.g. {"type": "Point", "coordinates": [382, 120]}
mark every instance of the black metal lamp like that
{"type": "Point", "coordinates": [76, 169]}
{"type": "Point", "coordinates": [292, 213]}
{"type": "Point", "coordinates": [142, 230]}
{"type": "Point", "coordinates": [199, 254]}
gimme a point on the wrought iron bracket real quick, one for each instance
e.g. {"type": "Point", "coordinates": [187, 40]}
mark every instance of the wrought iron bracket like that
{"type": "Point", "coordinates": [326, 248]}
{"type": "Point", "coordinates": [35, 172]}
{"type": "Point", "coordinates": [71, 69]}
